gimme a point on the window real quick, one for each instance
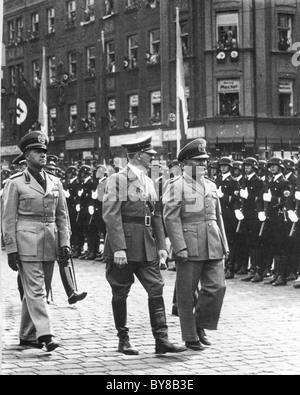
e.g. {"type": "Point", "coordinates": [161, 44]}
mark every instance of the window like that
{"type": "Point", "coordinates": [52, 121]}
{"type": "Point", "coordinates": [154, 53]}
{"type": "Point", "coordinates": [36, 73]}
{"type": "Point", "coordinates": [73, 65]}
{"type": "Point", "coordinates": [90, 123]}
{"type": "Point", "coordinates": [132, 3]}
{"type": "Point", "coordinates": [110, 57]}
{"type": "Point", "coordinates": [227, 30]}
{"type": "Point", "coordinates": [34, 25]}
{"type": "Point", "coordinates": [89, 12]}
{"type": "Point", "coordinates": [109, 7]}
{"type": "Point", "coordinates": [284, 32]}
{"type": "Point", "coordinates": [112, 113]}
{"type": "Point", "coordinates": [229, 91]}
{"type": "Point", "coordinates": [12, 78]}
{"type": "Point", "coordinates": [285, 98]}
{"type": "Point", "coordinates": [71, 14]}
{"type": "Point", "coordinates": [73, 118]}
{"type": "Point", "coordinates": [20, 29]}
{"type": "Point", "coordinates": [11, 31]}
{"type": "Point", "coordinates": [132, 52]}
{"type": "Point", "coordinates": [51, 20]}
{"type": "Point", "coordinates": [155, 99]}
{"type": "Point", "coordinates": [91, 62]}
{"type": "Point", "coordinates": [51, 70]}
{"type": "Point", "coordinates": [184, 38]}
{"type": "Point", "coordinates": [134, 110]}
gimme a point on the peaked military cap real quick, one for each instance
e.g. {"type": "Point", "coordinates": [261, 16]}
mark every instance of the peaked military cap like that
{"type": "Point", "coordinates": [289, 164]}
{"type": "Point", "coordinates": [35, 139]}
{"type": "Point", "coordinates": [275, 161]}
{"type": "Point", "coordinates": [226, 161]}
{"type": "Point", "coordinates": [143, 144]}
{"type": "Point", "coordinates": [196, 149]}
{"type": "Point", "coordinates": [251, 161]}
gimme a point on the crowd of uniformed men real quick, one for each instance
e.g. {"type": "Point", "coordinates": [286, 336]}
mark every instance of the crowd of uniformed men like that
{"type": "Point", "coordinates": [260, 207]}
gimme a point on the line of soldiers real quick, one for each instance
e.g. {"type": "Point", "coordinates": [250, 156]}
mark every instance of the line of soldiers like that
{"type": "Point", "coordinates": [260, 206]}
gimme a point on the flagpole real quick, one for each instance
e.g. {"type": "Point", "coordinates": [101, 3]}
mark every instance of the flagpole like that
{"type": "Point", "coordinates": [43, 103]}
{"type": "Point", "coordinates": [181, 105]}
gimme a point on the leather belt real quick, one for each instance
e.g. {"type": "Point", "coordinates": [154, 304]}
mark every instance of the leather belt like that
{"type": "Point", "coordinates": [137, 220]}
{"type": "Point", "coordinates": [31, 218]}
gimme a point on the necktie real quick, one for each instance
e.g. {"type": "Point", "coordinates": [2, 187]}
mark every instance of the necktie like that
{"type": "Point", "coordinates": [41, 181]}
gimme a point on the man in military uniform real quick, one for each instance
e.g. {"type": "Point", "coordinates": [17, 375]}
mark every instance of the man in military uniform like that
{"type": "Point", "coordinates": [273, 213]}
{"type": "Point", "coordinates": [85, 190]}
{"type": "Point", "coordinates": [36, 231]}
{"type": "Point", "coordinates": [97, 228]}
{"type": "Point", "coordinates": [135, 243]}
{"type": "Point", "coordinates": [250, 193]}
{"type": "Point", "coordinates": [194, 223]}
{"type": "Point", "coordinates": [228, 193]}
{"type": "Point", "coordinates": [293, 257]}
{"type": "Point", "coordinates": [71, 187]}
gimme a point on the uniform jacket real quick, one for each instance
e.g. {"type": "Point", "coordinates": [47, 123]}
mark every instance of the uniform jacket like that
{"type": "Point", "coordinates": [125, 208]}
{"type": "Point", "coordinates": [281, 191]}
{"type": "Point", "coordinates": [193, 219]}
{"type": "Point", "coordinates": [255, 187]}
{"type": "Point", "coordinates": [230, 201]}
{"type": "Point", "coordinates": [72, 187]}
{"type": "Point", "coordinates": [35, 223]}
{"type": "Point", "coordinates": [85, 200]}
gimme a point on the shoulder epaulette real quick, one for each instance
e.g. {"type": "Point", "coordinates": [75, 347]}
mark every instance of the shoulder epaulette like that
{"type": "Point", "coordinates": [16, 175]}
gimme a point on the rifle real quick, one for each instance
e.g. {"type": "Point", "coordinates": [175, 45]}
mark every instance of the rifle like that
{"type": "Point", "coordinates": [298, 190]}
{"type": "Point", "coordinates": [266, 190]}
{"type": "Point", "coordinates": [243, 186]}
{"type": "Point", "coordinates": [282, 149]}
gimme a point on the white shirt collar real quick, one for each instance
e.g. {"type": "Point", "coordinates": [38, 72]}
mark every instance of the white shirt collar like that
{"type": "Point", "coordinates": [288, 175]}
{"type": "Point", "coordinates": [239, 178]}
{"type": "Point", "coordinates": [277, 176]}
{"type": "Point", "coordinates": [250, 176]}
{"type": "Point", "coordinates": [226, 175]}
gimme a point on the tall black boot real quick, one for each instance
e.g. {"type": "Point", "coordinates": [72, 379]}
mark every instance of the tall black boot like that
{"type": "Point", "coordinates": [68, 283]}
{"type": "Point", "coordinates": [120, 317]}
{"type": "Point", "coordinates": [282, 272]}
{"type": "Point", "coordinates": [160, 328]}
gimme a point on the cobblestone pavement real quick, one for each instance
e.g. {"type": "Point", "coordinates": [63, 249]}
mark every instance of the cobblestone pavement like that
{"type": "Point", "coordinates": [258, 331]}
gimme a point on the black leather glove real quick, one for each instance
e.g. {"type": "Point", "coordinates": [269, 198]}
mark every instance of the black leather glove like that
{"type": "Point", "coordinates": [65, 253]}
{"type": "Point", "coordinates": [13, 261]}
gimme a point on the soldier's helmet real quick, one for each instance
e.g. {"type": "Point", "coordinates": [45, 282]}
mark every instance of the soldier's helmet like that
{"type": "Point", "coordinates": [196, 149]}
{"type": "Point", "coordinates": [289, 164]}
{"type": "Point", "coordinates": [86, 169]}
{"type": "Point", "coordinates": [252, 162]}
{"type": "Point", "coordinates": [101, 171]}
{"type": "Point", "coordinates": [5, 173]}
{"type": "Point", "coordinates": [275, 161]}
{"type": "Point", "coordinates": [226, 161]}
{"type": "Point", "coordinates": [214, 164]}
{"type": "Point", "coordinates": [52, 158]}
{"type": "Point", "coordinates": [238, 165]}
{"type": "Point", "coordinates": [72, 170]}
{"type": "Point", "coordinates": [262, 164]}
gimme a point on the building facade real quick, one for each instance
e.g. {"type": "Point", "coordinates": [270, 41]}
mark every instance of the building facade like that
{"type": "Point", "coordinates": [111, 74]}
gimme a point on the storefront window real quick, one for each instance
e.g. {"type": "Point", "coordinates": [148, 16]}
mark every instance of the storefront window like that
{"type": "Point", "coordinates": [229, 93]}
{"type": "Point", "coordinates": [285, 98]}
